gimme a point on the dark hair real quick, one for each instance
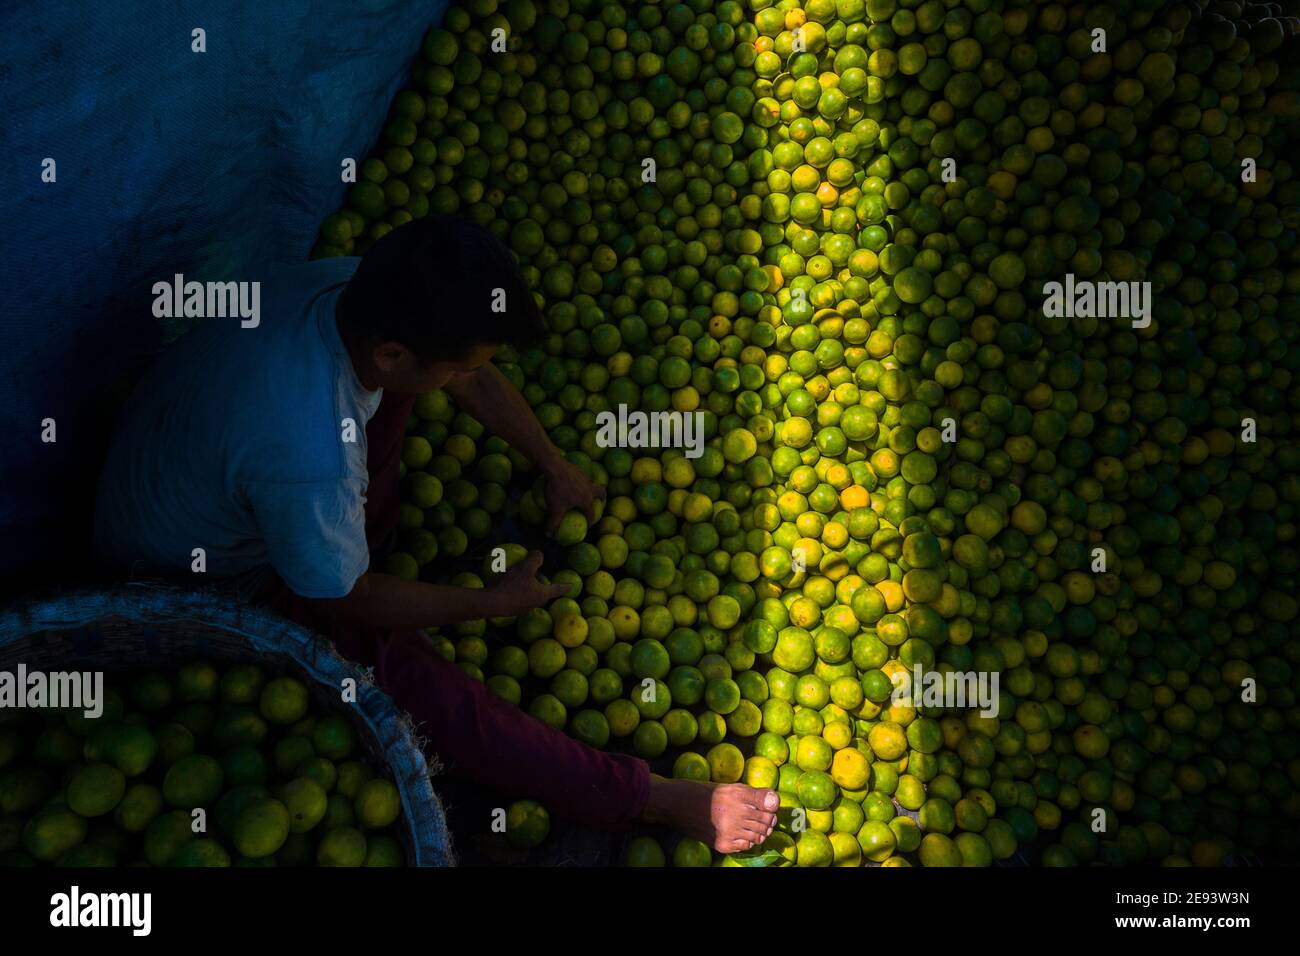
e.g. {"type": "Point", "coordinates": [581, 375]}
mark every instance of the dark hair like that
{"type": "Point", "coordinates": [430, 285]}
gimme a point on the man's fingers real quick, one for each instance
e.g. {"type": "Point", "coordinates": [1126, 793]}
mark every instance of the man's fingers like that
{"type": "Point", "coordinates": [531, 563]}
{"type": "Point", "coordinates": [597, 491]}
{"type": "Point", "coordinates": [556, 591]}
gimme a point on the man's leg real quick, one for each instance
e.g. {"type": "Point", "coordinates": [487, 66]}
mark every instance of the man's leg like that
{"type": "Point", "coordinates": [480, 736]}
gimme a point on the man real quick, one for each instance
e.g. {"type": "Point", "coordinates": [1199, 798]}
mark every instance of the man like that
{"type": "Point", "coordinates": [266, 459]}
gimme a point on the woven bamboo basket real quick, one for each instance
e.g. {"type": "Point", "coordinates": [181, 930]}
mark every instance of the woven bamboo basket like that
{"type": "Point", "coordinates": [146, 625]}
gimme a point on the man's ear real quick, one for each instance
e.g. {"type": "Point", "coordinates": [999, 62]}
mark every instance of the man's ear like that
{"type": "Point", "coordinates": [391, 357]}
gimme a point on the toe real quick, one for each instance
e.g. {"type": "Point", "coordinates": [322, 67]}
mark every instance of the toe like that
{"type": "Point", "coordinates": [761, 799]}
{"type": "Point", "coordinates": [730, 845]}
{"type": "Point", "coordinates": [759, 821]}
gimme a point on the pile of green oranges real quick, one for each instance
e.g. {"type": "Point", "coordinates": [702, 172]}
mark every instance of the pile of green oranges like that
{"type": "Point", "coordinates": [193, 767]}
{"type": "Point", "coordinates": [826, 227]}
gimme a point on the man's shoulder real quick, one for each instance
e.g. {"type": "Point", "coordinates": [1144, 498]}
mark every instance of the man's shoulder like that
{"type": "Point", "coordinates": [289, 292]}
{"type": "Point", "coordinates": [288, 397]}
{"type": "Point", "coordinates": [286, 299]}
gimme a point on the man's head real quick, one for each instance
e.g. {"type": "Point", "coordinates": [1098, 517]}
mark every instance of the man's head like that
{"type": "Point", "coordinates": [431, 300]}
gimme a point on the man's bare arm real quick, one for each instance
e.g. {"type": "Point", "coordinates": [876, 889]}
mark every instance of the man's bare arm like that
{"type": "Point", "coordinates": [490, 398]}
{"type": "Point", "coordinates": [388, 603]}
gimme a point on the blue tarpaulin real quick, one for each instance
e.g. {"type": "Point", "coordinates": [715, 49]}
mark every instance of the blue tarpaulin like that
{"type": "Point", "coordinates": [165, 160]}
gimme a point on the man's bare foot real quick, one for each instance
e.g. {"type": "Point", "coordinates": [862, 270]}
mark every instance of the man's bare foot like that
{"type": "Point", "coordinates": [728, 817]}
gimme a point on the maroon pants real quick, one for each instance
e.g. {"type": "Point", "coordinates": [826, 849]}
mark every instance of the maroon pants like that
{"type": "Point", "coordinates": [473, 732]}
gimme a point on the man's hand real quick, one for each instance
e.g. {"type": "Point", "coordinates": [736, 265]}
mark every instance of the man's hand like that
{"type": "Point", "coordinates": [569, 488]}
{"type": "Point", "coordinates": [519, 589]}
